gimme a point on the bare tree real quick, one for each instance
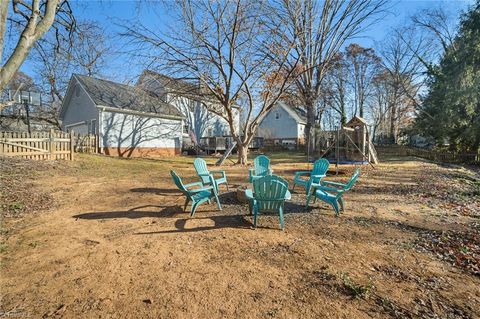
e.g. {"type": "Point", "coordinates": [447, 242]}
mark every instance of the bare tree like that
{"type": "Point", "coordinates": [336, 87]}
{"type": "Point", "coordinates": [405, 76]}
{"type": "Point", "coordinates": [364, 65]}
{"type": "Point", "coordinates": [236, 51]}
{"type": "Point", "coordinates": [55, 59]}
{"type": "Point", "coordinates": [33, 19]}
{"type": "Point", "coordinates": [322, 29]}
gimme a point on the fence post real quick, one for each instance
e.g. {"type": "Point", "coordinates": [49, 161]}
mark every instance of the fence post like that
{"type": "Point", "coordinates": [72, 147]}
{"type": "Point", "coordinates": [52, 144]}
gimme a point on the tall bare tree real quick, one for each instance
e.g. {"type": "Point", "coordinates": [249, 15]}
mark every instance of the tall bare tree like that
{"type": "Point", "coordinates": [56, 58]}
{"type": "Point", "coordinates": [32, 19]}
{"type": "Point", "coordinates": [405, 76]}
{"type": "Point", "coordinates": [364, 65]}
{"type": "Point", "coordinates": [237, 52]}
{"type": "Point", "coordinates": [321, 29]}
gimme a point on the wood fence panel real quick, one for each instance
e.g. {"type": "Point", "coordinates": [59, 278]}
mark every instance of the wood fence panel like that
{"type": "Point", "coordinates": [433, 155]}
{"type": "Point", "coordinates": [51, 145]}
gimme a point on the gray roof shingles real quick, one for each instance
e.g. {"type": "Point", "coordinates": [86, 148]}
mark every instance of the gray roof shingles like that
{"type": "Point", "coordinates": [122, 96]}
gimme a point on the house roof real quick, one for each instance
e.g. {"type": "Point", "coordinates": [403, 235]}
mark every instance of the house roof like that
{"type": "Point", "coordinates": [121, 96]}
{"type": "Point", "coordinates": [296, 112]}
{"type": "Point", "coordinates": [182, 87]}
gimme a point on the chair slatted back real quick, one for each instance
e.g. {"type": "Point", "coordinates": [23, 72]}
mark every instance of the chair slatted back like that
{"type": "Point", "coordinates": [201, 169]}
{"type": "Point", "coordinates": [178, 181]}
{"type": "Point", "coordinates": [261, 163]}
{"type": "Point", "coordinates": [320, 167]}
{"type": "Point", "coordinates": [269, 192]}
{"type": "Point", "coordinates": [353, 179]}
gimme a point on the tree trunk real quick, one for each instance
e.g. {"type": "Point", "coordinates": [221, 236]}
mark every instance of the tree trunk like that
{"type": "Point", "coordinates": [3, 26]}
{"type": "Point", "coordinates": [32, 32]}
{"type": "Point", "coordinates": [309, 127]}
{"type": "Point", "coordinates": [242, 153]}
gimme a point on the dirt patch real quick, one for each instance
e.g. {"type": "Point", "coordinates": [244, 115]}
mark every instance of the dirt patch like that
{"type": "Point", "coordinates": [16, 186]}
{"type": "Point", "coordinates": [117, 243]}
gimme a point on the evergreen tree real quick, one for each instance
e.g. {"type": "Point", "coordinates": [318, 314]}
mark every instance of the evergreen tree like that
{"type": "Point", "coordinates": [451, 109]}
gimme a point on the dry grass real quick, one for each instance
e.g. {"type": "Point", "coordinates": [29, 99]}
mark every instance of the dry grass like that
{"type": "Point", "coordinates": [114, 243]}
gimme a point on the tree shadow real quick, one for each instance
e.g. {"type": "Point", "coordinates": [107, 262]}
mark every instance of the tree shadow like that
{"type": "Point", "coordinates": [134, 213]}
{"type": "Point", "coordinates": [157, 191]}
{"type": "Point", "coordinates": [220, 221]}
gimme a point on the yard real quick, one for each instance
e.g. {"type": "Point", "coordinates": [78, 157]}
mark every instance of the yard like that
{"type": "Point", "coordinates": [106, 237]}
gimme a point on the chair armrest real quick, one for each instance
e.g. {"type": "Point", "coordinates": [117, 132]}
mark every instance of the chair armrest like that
{"type": "Point", "coordinates": [218, 172]}
{"type": "Point", "coordinates": [318, 176]}
{"type": "Point", "coordinates": [249, 194]}
{"type": "Point", "coordinates": [270, 171]}
{"type": "Point", "coordinates": [193, 184]}
{"type": "Point", "coordinates": [196, 190]}
{"type": "Point", "coordinates": [329, 189]}
{"type": "Point", "coordinates": [333, 183]}
{"type": "Point", "coordinates": [299, 173]}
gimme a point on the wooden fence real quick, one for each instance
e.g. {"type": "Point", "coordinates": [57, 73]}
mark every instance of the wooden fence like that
{"type": "Point", "coordinates": [86, 143]}
{"type": "Point", "coordinates": [444, 156]}
{"type": "Point", "coordinates": [51, 145]}
{"type": "Point", "coordinates": [433, 155]}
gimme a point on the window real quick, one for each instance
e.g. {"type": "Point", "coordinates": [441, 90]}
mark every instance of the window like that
{"type": "Point", "coordinates": [277, 115]}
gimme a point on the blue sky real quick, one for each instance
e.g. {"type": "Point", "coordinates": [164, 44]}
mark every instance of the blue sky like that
{"type": "Point", "coordinates": [109, 13]}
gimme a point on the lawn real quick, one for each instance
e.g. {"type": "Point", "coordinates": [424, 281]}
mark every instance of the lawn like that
{"type": "Point", "coordinates": [106, 237]}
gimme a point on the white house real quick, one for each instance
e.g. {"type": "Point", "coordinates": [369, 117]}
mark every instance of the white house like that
{"type": "Point", "coordinates": [130, 122]}
{"type": "Point", "coordinates": [283, 125]}
{"type": "Point", "coordinates": [189, 98]}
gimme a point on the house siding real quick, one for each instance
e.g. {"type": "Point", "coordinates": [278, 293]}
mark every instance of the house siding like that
{"type": "Point", "coordinates": [285, 127]}
{"type": "Point", "coordinates": [202, 122]}
{"type": "Point", "coordinates": [80, 108]}
{"type": "Point", "coordinates": [130, 135]}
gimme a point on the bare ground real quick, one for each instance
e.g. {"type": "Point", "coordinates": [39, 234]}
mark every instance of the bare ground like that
{"type": "Point", "coordinates": [106, 237]}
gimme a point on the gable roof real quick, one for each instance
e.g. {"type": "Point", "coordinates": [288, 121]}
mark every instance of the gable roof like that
{"type": "Point", "coordinates": [356, 120]}
{"type": "Point", "coordinates": [124, 97]}
{"type": "Point", "coordinates": [297, 113]}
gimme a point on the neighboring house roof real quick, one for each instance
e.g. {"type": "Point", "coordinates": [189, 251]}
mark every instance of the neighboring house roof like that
{"type": "Point", "coordinates": [122, 96]}
{"type": "Point", "coordinates": [181, 87]}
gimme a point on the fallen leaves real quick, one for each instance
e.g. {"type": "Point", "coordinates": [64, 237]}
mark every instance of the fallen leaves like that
{"type": "Point", "coordinates": [461, 249]}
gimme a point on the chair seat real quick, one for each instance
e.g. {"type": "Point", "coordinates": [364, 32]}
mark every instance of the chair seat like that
{"type": "Point", "coordinates": [202, 195]}
{"type": "Point", "coordinates": [323, 194]}
{"type": "Point", "coordinates": [300, 181]}
{"type": "Point", "coordinates": [249, 194]}
{"type": "Point", "coordinates": [221, 180]}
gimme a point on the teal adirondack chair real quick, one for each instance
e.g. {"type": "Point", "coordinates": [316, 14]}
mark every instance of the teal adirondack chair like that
{"type": "Point", "coordinates": [332, 192]}
{"type": "Point", "coordinates": [204, 174]}
{"type": "Point", "coordinates": [269, 195]}
{"type": "Point", "coordinates": [261, 168]}
{"type": "Point", "coordinates": [320, 168]}
{"type": "Point", "coordinates": [196, 195]}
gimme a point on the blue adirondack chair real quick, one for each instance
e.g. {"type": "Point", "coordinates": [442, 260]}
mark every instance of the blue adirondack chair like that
{"type": "Point", "coordinates": [320, 168]}
{"type": "Point", "coordinates": [204, 174]}
{"type": "Point", "coordinates": [196, 195]}
{"type": "Point", "coordinates": [261, 168]}
{"type": "Point", "coordinates": [269, 195]}
{"type": "Point", "coordinates": [332, 192]}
